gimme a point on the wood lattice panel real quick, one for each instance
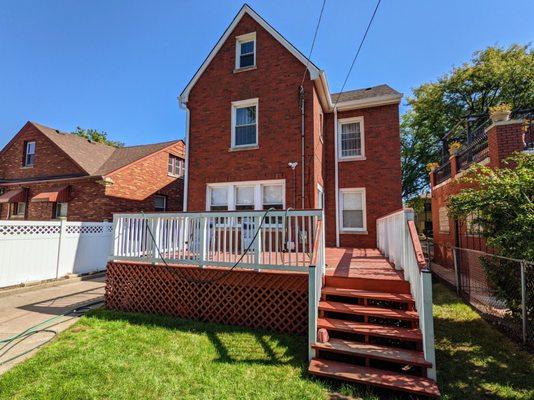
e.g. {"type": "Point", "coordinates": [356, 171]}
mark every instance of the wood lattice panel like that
{"type": "Point", "coordinates": [269, 300]}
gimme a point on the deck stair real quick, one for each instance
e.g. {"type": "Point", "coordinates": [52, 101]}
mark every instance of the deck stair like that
{"type": "Point", "coordinates": [374, 338]}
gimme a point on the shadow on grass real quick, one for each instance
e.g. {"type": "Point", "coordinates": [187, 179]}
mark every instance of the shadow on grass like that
{"type": "Point", "coordinates": [474, 360]}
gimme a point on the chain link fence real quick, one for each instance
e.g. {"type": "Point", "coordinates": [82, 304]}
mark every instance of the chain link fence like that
{"type": "Point", "coordinates": [500, 288]}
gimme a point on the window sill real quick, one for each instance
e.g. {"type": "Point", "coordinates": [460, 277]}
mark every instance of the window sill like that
{"type": "Point", "coordinates": [358, 158]}
{"type": "Point", "coordinates": [244, 148]}
{"type": "Point", "coordinates": [244, 69]}
{"type": "Point", "coordinates": [174, 176]}
{"type": "Point", "coordinates": [345, 232]}
{"type": "Point", "coordinates": [26, 166]}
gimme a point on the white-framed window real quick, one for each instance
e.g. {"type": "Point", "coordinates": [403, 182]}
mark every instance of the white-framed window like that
{"type": "Point", "coordinates": [251, 195]}
{"type": "Point", "coordinates": [160, 203]}
{"type": "Point", "coordinates": [175, 166]}
{"type": "Point", "coordinates": [18, 209]}
{"type": "Point", "coordinates": [444, 225]}
{"type": "Point", "coordinates": [353, 210]}
{"type": "Point", "coordinates": [60, 210]}
{"type": "Point", "coordinates": [244, 198]}
{"type": "Point", "coordinates": [245, 51]}
{"type": "Point", "coordinates": [351, 144]}
{"type": "Point", "coordinates": [245, 123]}
{"type": "Point", "coordinates": [29, 154]}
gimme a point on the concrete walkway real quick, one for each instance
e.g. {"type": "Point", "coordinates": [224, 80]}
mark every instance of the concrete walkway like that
{"type": "Point", "coordinates": [21, 311]}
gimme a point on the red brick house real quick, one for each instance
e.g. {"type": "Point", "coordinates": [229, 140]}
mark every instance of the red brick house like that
{"type": "Point", "coordinates": [486, 143]}
{"type": "Point", "coordinates": [47, 174]}
{"type": "Point", "coordinates": [261, 136]}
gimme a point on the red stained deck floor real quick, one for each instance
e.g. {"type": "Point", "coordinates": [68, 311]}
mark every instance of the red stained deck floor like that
{"type": "Point", "coordinates": [348, 262]}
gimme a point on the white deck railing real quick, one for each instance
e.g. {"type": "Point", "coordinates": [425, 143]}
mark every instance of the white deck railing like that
{"type": "Point", "coordinates": [289, 240]}
{"type": "Point", "coordinates": [397, 239]}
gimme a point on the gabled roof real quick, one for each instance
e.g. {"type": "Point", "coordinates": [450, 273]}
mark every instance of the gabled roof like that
{"type": "Point", "coordinates": [98, 158]}
{"type": "Point", "coordinates": [366, 93]}
{"type": "Point", "coordinates": [246, 9]}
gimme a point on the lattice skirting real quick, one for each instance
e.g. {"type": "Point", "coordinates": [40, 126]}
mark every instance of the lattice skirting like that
{"type": "Point", "coordinates": [268, 300]}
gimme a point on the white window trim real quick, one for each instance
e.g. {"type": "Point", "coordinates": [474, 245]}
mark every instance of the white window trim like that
{"type": "Point", "coordinates": [248, 37]}
{"type": "Point", "coordinates": [164, 201]}
{"type": "Point", "coordinates": [242, 104]}
{"type": "Point", "coordinates": [364, 209]}
{"type": "Point", "coordinates": [362, 138]}
{"type": "Point", "coordinates": [258, 192]}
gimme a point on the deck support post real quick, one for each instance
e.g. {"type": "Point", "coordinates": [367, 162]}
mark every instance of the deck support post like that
{"type": "Point", "coordinates": [427, 328]}
{"type": "Point", "coordinates": [312, 310]}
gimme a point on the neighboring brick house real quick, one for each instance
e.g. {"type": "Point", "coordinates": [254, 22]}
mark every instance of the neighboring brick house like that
{"type": "Point", "coordinates": [245, 131]}
{"type": "Point", "coordinates": [488, 144]}
{"type": "Point", "coordinates": [46, 174]}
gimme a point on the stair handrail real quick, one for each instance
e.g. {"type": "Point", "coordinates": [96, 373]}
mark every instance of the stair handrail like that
{"type": "Point", "coordinates": [398, 240]}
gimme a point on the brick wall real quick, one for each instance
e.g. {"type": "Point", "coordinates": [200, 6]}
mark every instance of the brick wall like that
{"type": "Point", "coordinates": [379, 173]}
{"type": "Point", "coordinates": [49, 160]}
{"type": "Point", "coordinates": [275, 82]}
{"type": "Point", "coordinates": [504, 138]}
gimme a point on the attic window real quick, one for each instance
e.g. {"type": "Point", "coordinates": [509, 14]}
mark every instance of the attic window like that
{"type": "Point", "coordinates": [29, 154]}
{"type": "Point", "coordinates": [245, 51]}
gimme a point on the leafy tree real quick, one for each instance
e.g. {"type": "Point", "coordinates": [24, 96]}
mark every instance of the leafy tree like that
{"type": "Point", "coordinates": [96, 136]}
{"type": "Point", "coordinates": [501, 203]}
{"type": "Point", "coordinates": [493, 76]}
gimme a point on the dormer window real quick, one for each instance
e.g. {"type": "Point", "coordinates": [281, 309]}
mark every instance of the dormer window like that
{"type": "Point", "coordinates": [245, 51]}
{"type": "Point", "coordinates": [175, 166]}
{"type": "Point", "coordinates": [29, 154]}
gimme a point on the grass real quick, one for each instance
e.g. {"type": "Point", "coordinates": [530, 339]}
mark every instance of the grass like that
{"type": "Point", "coordinates": [474, 360]}
{"type": "Point", "coordinates": [113, 355]}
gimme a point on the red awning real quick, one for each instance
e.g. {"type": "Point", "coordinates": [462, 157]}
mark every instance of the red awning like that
{"type": "Point", "coordinates": [60, 194]}
{"type": "Point", "coordinates": [13, 196]}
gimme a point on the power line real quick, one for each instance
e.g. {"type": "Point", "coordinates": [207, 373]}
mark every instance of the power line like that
{"type": "Point", "coordinates": [313, 42]}
{"type": "Point", "coordinates": [358, 51]}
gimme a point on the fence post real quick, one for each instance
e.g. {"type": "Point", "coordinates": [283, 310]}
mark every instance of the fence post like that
{"type": "Point", "coordinates": [524, 301]}
{"type": "Point", "coordinates": [456, 270]}
{"type": "Point", "coordinates": [62, 232]}
{"type": "Point", "coordinates": [203, 241]}
{"type": "Point", "coordinates": [257, 244]}
{"type": "Point", "coordinates": [312, 310]}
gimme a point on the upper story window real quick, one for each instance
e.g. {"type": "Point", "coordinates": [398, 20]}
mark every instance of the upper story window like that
{"type": "Point", "coordinates": [245, 123]}
{"type": "Point", "coordinates": [175, 166]}
{"type": "Point", "coordinates": [29, 154]}
{"type": "Point", "coordinates": [351, 139]}
{"type": "Point", "coordinates": [245, 51]}
{"type": "Point", "coordinates": [160, 203]}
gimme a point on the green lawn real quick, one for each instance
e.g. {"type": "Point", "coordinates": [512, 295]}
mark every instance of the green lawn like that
{"type": "Point", "coordinates": [474, 360]}
{"type": "Point", "coordinates": [111, 355]}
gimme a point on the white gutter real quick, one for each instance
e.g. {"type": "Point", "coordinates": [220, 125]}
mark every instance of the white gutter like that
{"type": "Point", "coordinates": [186, 172]}
{"type": "Point", "coordinates": [336, 184]}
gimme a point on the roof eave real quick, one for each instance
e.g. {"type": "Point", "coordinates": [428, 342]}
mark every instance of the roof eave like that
{"type": "Point", "coordinates": [370, 102]}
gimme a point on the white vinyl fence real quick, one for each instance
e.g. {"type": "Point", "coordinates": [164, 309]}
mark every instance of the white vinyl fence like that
{"type": "Point", "coordinates": [39, 250]}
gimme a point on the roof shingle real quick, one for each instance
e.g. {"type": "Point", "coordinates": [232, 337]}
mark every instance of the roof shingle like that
{"type": "Point", "coordinates": [98, 158]}
{"type": "Point", "coordinates": [366, 93]}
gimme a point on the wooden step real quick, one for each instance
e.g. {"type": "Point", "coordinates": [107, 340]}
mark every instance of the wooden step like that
{"type": "Point", "coordinates": [334, 306]}
{"type": "Point", "coordinates": [375, 285]}
{"type": "Point", "coordinates": [374, 351]}
{"type": "Point", "coordinates": [367, 294]}
{"type": "Point", "coordinates": [372, 376]}
{"type": "Point", "coordinates": [391, 332]}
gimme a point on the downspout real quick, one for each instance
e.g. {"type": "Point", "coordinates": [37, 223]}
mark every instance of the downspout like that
{"type": "Point", "coordinates": [301, 95]}
{"type": "Point", "coordinates": [336, 179]}
{"type": "Point", "coordinates": [183, 105]}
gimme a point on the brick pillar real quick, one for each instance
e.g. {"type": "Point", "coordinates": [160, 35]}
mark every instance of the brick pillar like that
{"type": "Point", "coordinates": [453, 160]}
{"type": "Point", "coordinates": [504, 138]}
{"type": "Point", "coordinates": [432, 178]}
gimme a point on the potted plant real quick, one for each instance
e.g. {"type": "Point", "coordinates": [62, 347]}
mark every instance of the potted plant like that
{"type": "Point", "coordinates": [430, 167]}
{"type": "Point", "coordinates": [454, 148]}
{"type": "Point", "coordinates": [500, 112]}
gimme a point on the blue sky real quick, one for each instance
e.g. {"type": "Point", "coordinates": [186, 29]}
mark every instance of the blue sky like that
{"type": "Point", "coordinates": [118, 66]}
